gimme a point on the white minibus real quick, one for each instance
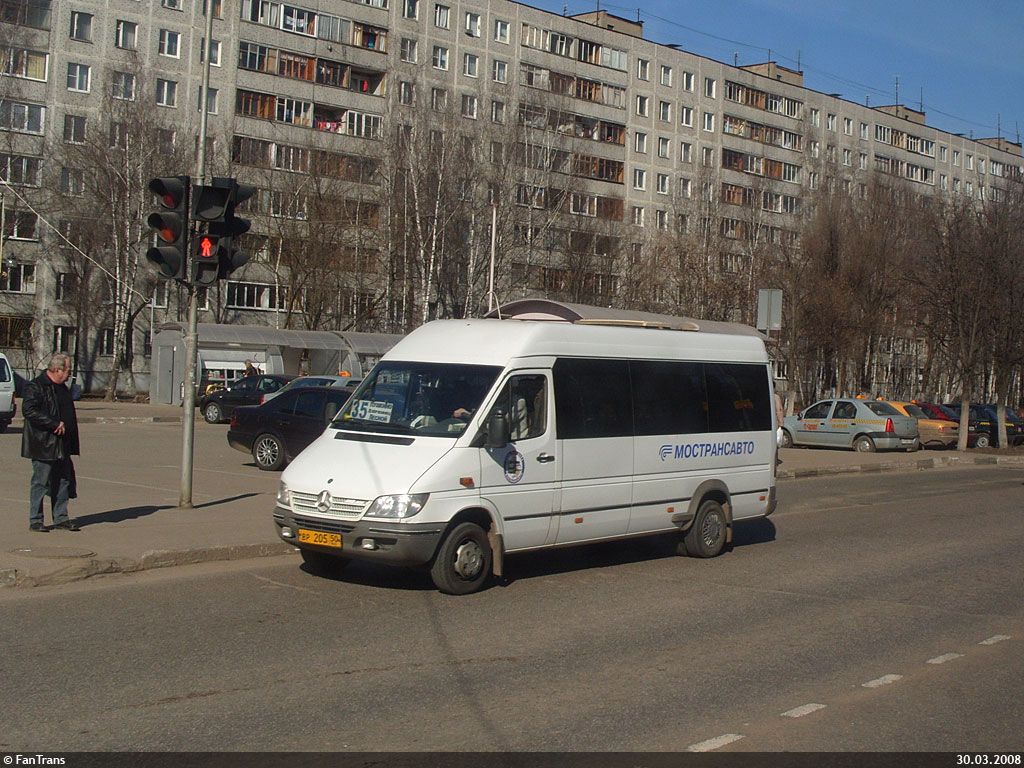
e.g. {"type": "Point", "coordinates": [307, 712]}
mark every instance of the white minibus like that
{"type": "Point", "coordinates": [475, 439]}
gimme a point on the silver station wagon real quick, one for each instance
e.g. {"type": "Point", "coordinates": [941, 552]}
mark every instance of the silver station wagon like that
{"type": "Point", "coordinates": [863, 425]}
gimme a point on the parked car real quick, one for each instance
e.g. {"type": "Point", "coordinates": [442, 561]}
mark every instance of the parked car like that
{"type": "Point", "coordinates": [863, 425]}
{"type": "Point", "coordinates": [218, 406]}
{"type": "Point", "coordinates": [8, 404]}
{"type": "Point", "coordinates": [314, 381]}
{"type": "Point", "coordinates": [986, 423]}
{"type": "Point", "coordinates": [1014, 423]}
{"type": "Point", "coordinates": [933, 433]}
{"type": "Point", "coordinates": [944, 413]}
{"type": "Point", "coordinates": [277, 431]}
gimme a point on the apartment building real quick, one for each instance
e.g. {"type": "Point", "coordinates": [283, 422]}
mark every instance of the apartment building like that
{"type": "Point", "coordinates": [590, 141]}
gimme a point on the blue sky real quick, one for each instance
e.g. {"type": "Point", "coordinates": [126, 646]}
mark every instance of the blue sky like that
{"type": "Point", "coordinates": [966, 55]}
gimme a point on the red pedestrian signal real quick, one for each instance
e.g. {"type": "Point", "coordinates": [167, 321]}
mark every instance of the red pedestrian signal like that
{"type": "Point", "coordinates": [206, 256]}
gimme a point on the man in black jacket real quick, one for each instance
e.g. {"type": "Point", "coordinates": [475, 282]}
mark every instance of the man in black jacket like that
{"type": "Point", "coordinates": [50, 439]}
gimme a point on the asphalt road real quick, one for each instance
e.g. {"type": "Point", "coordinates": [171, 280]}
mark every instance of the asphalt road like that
{"type": "Point", "coordinates": [881, 612]}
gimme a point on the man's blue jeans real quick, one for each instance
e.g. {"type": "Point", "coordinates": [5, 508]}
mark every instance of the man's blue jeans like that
{"type": "Point", "coordinates": [47, 475]}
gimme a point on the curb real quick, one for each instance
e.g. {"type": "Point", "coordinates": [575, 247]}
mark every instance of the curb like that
{"type": "Point", "coordinates": [9, 577]}
{"type": "Point", "coordinates": [905, 465]}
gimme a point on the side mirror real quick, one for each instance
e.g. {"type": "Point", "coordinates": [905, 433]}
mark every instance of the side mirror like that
{"type": "Point", "coordinates": [799, 417]}
{"type": "Point", "coordinates": [498, 430]}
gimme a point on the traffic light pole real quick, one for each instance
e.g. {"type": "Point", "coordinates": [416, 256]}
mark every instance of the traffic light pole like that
{"type": "Point", "coordinates": [188, 402]}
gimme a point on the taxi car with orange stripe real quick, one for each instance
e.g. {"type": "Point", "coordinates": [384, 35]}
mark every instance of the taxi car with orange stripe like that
{"type": "Point", "coordinates": [934, 433]}
{"type": "Point", "coordinates": [863, 425]}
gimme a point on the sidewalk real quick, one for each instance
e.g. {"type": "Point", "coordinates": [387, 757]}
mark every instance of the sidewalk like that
{"type": "Point", "coordinates": [129, 480]}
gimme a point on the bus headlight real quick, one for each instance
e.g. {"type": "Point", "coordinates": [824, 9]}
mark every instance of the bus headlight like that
{"type": "Point", "coordinates": [397, 507]}
{"type": "Point", "coordinates": [284, 496]}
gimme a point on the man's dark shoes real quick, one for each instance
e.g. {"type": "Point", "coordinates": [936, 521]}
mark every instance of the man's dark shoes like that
{"type": "Point", "coordinates": [68, 525]}
{"type": "Point", "coordinates": [38, 527]}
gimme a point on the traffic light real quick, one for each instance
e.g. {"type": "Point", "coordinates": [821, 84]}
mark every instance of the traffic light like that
{"type": "Point", "coordinates": [171, 223]}
{"type": "Point", "coordinates": [215, 205]}
{"type": "Point", "coordinates": [206, 258]}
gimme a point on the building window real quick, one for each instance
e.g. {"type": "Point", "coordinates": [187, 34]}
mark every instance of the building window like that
{"type": "Point", "coordinates": [470, 65]}
{"type": "Point", "coordinates": [166, 93]}
{"type": "Point", "coordinates": [665, 111]}
{"type": "Point", "coordinates": [707, 157]}
{"type": "Point", "coordinates": [662, 184]}
{"type": "Point", "coordinates": [497, 111]}
{"type": "Point", "coordinates": [169, 43]}
{"type": "Point", "coordinates": [686, 116]}
{"type": "Point", "coordinates": [815, 117]}
{"type": "Point", "coordinates": [78, 77]}
{"type": "Point", "coordinates": [664, 146]}
{"type": "Point", "coordinates": [125, 33]}
{"type": "Point", "coordinates": [211, 101]}
{"type": "Point", "coordinates": [500, 31]}
{"type": "Point", "coordinates": [685, 187]}
{"type": "Point", "coordinates": [847, 157]}
{"type": "Point", "coordinates": [256, 296]}
{"type": "Point", "coordinates": [440, 57]}
{"type": "Point", "coordinates": [214, 52]}
{"type": "Point", "coordinates": [637, 215]}
{"type": "Point", "coordinates": [64, 338]}
{"type": "Point", "coordinates": [640, 142]}
{"type": "Point", "coordinates": [174, 5]}
{"type": "Point", "coordinates": [438, 99]}
{"type": "Point", "coordinates": [848, 126]}
{"type": "Point", "coordinates": [685, 152]}
{"type": "Point", "coordinates": [441, 13]}
{"type": "Point", "coordinates": [106, 343]}
{"type": "Point", "coordinates": [500, 73]}
{"type": "Point", "coordinates": [411, 9]}
{"type": "Point", "coordinates": [409, 50]}
{"type": "Point", "coordinates": [643, 69]}
{"type": "Point", "coordinates": [661, 220]}
{"type": "Point", "coordinates": [639, 178]}
{"type": "Point", "coordinates": [666, 75]}
{"type": "Point", "coordinates": [21, 117]}
{"type": "Point", "coordinates": [469, 104]}
{"type": "Point", "coordinates": [81, 26]}
{"type": "Point", "coordinates": [642, 105]}
{"type": "Point", "coordinates": [122, 85]}
{"type": "Point", "coordinates": [472, 24]}
{"type": "Point", "coordinates": [688, 81]}
{"type": "Point", "coordinates": [709, 122]}
{"type": "Point", "coordinates": [405, 93]}
{"type": "Point", "coordinates": [710, 87]}
{"type": "Point", "coordinates": [18, 278]}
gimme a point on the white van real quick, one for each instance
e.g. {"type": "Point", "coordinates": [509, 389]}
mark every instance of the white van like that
{"type": "Point", "coordinates": [474, 439]}
{"type": "Point", "coordinates": [8, 404]}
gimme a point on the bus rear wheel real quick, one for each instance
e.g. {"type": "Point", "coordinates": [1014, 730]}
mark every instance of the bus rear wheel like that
{"type": "Point", "coordinates": [706, 537]}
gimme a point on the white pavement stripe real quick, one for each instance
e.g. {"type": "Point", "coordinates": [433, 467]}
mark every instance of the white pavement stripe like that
{"type": "Point", "coordinates": [994, 639]}
{"type": "Point", "coordinates": [715, 743]}
{"type": "Point", "coordinates": [944, 658]}
{"type": "Point", "coordinates": [883, 680]}
{"type": "Point", "coordinates": [806, 709]}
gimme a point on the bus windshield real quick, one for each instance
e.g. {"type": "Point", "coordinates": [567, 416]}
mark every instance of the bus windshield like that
{"type": "Point", "coordinates": [437, 399]}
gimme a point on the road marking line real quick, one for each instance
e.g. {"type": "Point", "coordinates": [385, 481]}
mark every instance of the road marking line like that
{"type": "Point", "coordinates": [994, 639]}
{"type": "Point", "coordinates": [715, 743]}
{"type": "Point", "coordinates": [944, 658]}
{"type": "Point", "coordinates": [883, 680]}
{"type": "Point", "coordinates": [806, 709]}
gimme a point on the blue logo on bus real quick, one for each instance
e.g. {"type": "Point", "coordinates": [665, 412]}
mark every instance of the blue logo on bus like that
{"type": "Point", "coordinates": [706, 450]}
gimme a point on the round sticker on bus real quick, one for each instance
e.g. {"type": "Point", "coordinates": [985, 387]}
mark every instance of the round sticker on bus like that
{"type": "Point", "coordinates": [515, 467]}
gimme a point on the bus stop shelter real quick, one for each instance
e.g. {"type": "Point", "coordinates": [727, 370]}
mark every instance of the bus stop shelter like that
{"type": "Point", "coordinates": [223, 350]}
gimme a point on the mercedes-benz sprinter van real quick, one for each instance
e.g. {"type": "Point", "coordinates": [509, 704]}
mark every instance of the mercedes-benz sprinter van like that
{"type": "Point", "coordinates": [475, 439]}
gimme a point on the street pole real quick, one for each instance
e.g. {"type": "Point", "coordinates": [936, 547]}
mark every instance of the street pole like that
{"type": "Point", "coordinates": [188, 404]}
